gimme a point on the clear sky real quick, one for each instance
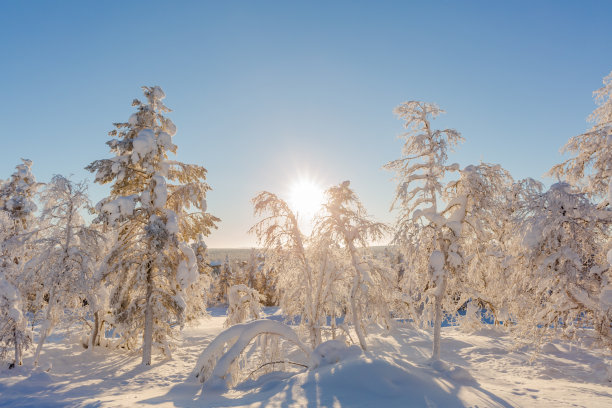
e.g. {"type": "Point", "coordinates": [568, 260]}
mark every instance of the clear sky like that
{"type": "Point", "coordinates": [264, 92]}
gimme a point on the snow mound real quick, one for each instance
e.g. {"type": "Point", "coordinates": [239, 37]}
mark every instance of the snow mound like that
{"type": "Point", "coordinates": [365, 382]}
{"type": "Point", "coordinates": [331, 352]}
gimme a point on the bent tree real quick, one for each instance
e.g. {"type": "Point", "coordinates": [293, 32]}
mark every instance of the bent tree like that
{"type": "Point", "coordinates": [346, 223]}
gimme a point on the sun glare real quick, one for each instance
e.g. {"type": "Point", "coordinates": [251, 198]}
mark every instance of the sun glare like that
{"type": "Point", "coordinates": [305, 198]}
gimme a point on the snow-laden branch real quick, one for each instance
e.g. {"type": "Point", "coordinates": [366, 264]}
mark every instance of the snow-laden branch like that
{"type": "Point", "coordinates": [213, 365]}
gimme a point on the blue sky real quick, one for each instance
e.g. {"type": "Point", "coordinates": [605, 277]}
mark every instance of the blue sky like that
{"type": "Point", "coordinates": [266, 91]}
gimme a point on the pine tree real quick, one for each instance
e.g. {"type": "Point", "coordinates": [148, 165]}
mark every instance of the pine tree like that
{"type": "Point", "coordinates": [17, 206]}
{"type": "Point", "coordinates": [157, 205]}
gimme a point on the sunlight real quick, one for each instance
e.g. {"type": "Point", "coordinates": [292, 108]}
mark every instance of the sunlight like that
{"type": "Point", "coordinates": [305, 198]}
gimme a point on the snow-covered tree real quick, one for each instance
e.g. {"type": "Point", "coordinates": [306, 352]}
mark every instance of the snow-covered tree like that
{"type": "Point", "coordinates": [17, 202]}
{"type": "Point", "coordinates": [590, 168]}
{"type": "Point", "coordinates": [66, 254]}
{"type": "Point", "coordinates": [479, 218]}
{"type": "Point", "coordinates": [17, 207]}
{"type": "Point", "coordinates": [244, 303]}
{"type": "Point", "coordinates": [157, 206]}
{"type": "Point", "coordinates": [17, 196]}
{"type": "Point", "coordinates": [198, 292]}
{"type": "Point", "coordinates": [283, 242]}
{"type": "Point", "coordinates": [565, 267]}
{"type": "Point", "coordinates": [223, 280]}
{"type": "Point", "coordinates": [347, 224]}
{"type": "Point", "coordinates": [306, 273]}
{"type": "Point", "coordinates": [420, 174]}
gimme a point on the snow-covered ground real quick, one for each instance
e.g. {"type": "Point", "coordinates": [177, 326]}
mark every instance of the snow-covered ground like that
{"type": "Point", "coordinates": [483, 371]}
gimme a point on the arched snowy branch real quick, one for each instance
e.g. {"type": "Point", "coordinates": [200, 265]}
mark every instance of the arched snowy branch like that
{"type": "Point", "coordinates": [213, 366]}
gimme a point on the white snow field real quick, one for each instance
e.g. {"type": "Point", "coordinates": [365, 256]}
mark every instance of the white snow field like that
{"type": "Point", "coordinates": [481, 370]}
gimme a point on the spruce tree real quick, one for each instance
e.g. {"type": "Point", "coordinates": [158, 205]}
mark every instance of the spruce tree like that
{"type": "Point", "coordinates": [158, 206]}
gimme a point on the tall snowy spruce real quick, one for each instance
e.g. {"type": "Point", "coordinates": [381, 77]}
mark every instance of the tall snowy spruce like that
{"type": "Point", "coordinates": [157, 206]}
{"type": "Point", "coordinates": [16, 289]}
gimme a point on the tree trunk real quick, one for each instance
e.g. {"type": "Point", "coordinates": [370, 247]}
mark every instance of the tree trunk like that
{"type": "Point", "coordinates": [354, 306]}
{"type": "Point", "coordinates": [48, 326]}
{"type": "Point", "coordinates": [355, 312]}
{"type": "Point", "coordinates": [95, 339]}
{"type": "Point", "coordinates": [438, 322]}
{"type": "Point", "coordinates": [17, 347]}
{"type": "Point", "coordinates": [147, 337]}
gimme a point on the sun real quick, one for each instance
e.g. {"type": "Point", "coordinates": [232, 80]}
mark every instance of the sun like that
{"type": "Point", "coordinates": [305, 198]}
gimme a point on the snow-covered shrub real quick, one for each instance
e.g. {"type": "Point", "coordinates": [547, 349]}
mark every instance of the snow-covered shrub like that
{"type": "Point", "coordinates": [244, 304]}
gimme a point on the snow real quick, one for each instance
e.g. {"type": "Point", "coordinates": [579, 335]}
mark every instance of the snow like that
{"type": "Point", "coordinates": [165, 140]}
{"type": "Point", "coordinates": [169, 127]}
{"type": "Point", "coordinates": [158, 93]}
{"type": "Point", "coordinates": [436, 263]}
{"type": "Point", "coordinates": [436, 260]}
{"type": "Point", "coordinates": [118, 208]}
{"type": "Point", "coordinates": [243, 333]}
{"type": "Point", "coordinates": [143, 144]}
{"type": "Point", "coordinates": [171, 222]}
{"type": "Point", "coordinates": [482, 369]}
{"type": "Point", "coordinates": [605, 298]}
{"type": "Point", "coordinates": [187, 272]}
{"type": "Point", "coordinates": [133, 120]}
{"type": "Point", "coordinates": [10, 300]}
{"type": "Point", "coordinates": [160, 191]}
{"type": "Point", "coordinates": [332, 352]}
